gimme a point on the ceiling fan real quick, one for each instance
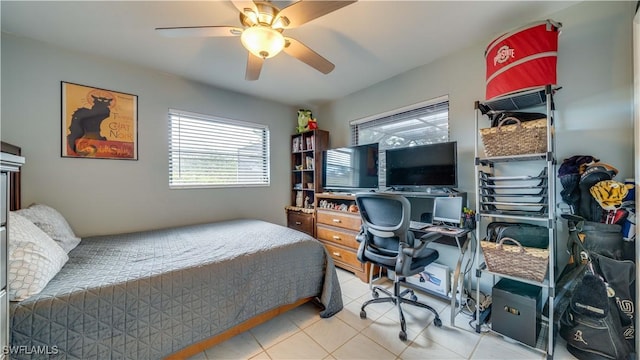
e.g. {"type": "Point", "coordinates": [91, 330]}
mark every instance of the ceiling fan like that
{"type": "Point", "coordinates": [261, 34]}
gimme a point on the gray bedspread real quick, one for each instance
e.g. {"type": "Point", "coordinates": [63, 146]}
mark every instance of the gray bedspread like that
{"type": "Point", "coordinates": [149, 294]}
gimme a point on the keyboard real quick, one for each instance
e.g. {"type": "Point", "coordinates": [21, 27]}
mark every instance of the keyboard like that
{"type": "Point", "coordinates": [418, 225]}
{"type": "Point", "coordinates": [446, 230]}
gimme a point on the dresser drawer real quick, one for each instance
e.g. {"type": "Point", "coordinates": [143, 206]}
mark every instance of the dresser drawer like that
{"type": "Point", "coordinates": [343, 256]}
{"type": "Point", "coordinates": [345, 221]}
{"type": "Point", "coordinates": [337, 235]}
{"type": "Point", "coordinates": [300, 221]}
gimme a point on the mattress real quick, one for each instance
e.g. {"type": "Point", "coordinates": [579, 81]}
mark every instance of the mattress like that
{"type": "Point", "coordinates": [148, 294]}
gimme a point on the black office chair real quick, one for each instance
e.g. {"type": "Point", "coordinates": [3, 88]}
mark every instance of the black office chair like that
{"type": "Point", "coordinates": [385, 240]}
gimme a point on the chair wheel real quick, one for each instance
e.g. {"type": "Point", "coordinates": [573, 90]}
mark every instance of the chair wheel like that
{"type": "Point", "coordinates": [414, 297]}
{"type": "Point", "coordinates": [375, 294]}
{"type": "Point", "coordinates": [363, 314]}
{"type": "Point", "coordinates": [403, 336]}
{"type": "Point", "coordinates": [437, 322]}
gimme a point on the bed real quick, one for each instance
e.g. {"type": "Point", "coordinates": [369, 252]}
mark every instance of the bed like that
{"type": "Point", "coordinates": [171, 293]}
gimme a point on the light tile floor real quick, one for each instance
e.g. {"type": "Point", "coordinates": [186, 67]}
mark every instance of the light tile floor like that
{"type": "Point", "coordinates": [302, 334]}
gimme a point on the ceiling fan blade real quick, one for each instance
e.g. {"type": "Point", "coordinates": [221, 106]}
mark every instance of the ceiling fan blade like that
{"type": "Point", "coordinates": [200, 31]}
{"type": "Point", "coordinates": [301, 52]}
{"type": "Point", "coordinates": [254, 65]}
{"type": "Point", "coordinates": [302, 12]}
{"type": "Point", "coordinates": [242, 5]}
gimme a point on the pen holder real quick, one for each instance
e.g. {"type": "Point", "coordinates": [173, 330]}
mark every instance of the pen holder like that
{"type": "Point", "coordinates": [469, 222]}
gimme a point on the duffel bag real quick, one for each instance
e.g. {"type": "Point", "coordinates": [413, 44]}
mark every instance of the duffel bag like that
{"type": "Point", "coordinates": [528, 235]}
{"type": "Point", "coordinates": [620, 279]}
{"type": "Point", "coordinates": [603, 239]}
{"type": "Point", "coordinates": [590, 326]}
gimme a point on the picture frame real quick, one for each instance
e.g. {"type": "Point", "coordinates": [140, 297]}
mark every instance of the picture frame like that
{"type": "Point", "coordinates": [98, 123]}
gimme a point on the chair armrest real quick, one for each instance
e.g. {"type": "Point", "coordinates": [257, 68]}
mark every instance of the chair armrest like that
{"type": "Point", "coordinates": [425, 240]}
{"type": "Point", "coordinates": [362, 235]}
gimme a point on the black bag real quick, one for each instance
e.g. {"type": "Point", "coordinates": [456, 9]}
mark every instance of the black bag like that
{"type": "Point", "coordinates": [620, 278]}
{"type": "Point", "coordinates": [598, 238]}
{"type": "Point", "coordinates": [528, 235]}
{"type": "Point", "coordinates": [496, 118]}
{"type": "Point", "coordinates": [603, 239]}
{"type": "Point", "coordinates": [592, 329]}
{"type": "Point", "coordinates": [591, 326]}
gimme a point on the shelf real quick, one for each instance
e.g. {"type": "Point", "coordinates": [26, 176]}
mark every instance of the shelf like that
{"type": "Point", "coordinates": [299, 209]}
{"type": "Point", "coordinates": [515, 216]}
{"type": "Point", "coordinates": [518, 101]}
{"type": "Point", "coordinates": [483, 268]}
{"type": "Point", "coordinates": [338, 195]}
{"type": "Point", "coordinates": [526, 157]}
{"type": "Point", "coordinates": [306, 168]}
{"type": "Point", "coordinates": [541, 342]}
{"type": "Point", "coordinates": [503, 193]}
{"type": "Point", "coordinates": [522, 203]}
{"type": "Point", "coordinates": [412, 286]}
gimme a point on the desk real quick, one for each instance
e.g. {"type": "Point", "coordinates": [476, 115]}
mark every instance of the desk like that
{"type": "Point", "coordinates": [461, 240]}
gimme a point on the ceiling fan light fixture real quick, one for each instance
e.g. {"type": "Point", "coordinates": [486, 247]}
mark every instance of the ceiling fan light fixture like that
{"type": "Point", "coordinates": [262, 41]}
{"type": "Point", "coordinates": [251, 15]}
{"type": "Point", "coordinates": [281, 22]}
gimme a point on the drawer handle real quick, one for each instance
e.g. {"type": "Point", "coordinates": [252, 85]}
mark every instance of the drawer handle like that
{"type": "Point", "coordinates": [298, 223]}
{"type": "Point", "coordinates": [336, 237]}
{"type": "Point", "coordinates": [337, 221]}
{"type": "Point", "coordinates": [337, 254]}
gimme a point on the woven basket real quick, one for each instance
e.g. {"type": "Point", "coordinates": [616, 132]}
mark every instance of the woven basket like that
{"type": "Point", "coordinates": [528, 137]}
{"type": "Point", "coordinates": [515, 260]}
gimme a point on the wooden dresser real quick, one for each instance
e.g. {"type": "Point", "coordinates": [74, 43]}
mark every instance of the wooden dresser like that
{"type": "Point", "coordinates": [8, 163]}
{"type": "Point", "coordinates": [337, 230]}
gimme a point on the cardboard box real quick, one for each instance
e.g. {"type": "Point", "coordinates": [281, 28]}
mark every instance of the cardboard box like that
{"type": "Point", "coordinates": [434, 277]}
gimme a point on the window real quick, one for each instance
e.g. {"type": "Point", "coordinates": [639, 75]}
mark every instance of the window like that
{"type": "Point", "coordinates": [419, 124]}
{"type": "Point", "coordinates": [208, 151]}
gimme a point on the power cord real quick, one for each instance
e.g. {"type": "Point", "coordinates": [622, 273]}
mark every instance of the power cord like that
{"type": "Point", "coordinates": [484, 306]}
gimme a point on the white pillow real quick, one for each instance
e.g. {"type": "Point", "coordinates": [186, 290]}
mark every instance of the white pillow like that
{"type": "Point", "coordinates": [53, 223]}
{"type": "Point", "coordinates": [34, 258]}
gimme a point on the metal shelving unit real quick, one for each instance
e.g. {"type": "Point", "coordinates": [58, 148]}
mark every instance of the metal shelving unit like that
{"type": "Point", "coordinates": [523, 198]}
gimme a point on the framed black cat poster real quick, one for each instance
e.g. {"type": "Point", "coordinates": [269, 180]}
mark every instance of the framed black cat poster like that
{"type": "Point", "coordinates": [98, 123]}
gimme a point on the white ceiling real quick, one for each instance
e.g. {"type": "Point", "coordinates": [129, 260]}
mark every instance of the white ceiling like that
{"type": "Point", "coordinates": [368, 41]}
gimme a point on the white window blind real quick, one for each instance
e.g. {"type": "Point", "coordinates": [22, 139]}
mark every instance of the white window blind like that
{"type": "Point", "coordinates": [208, 151]}
{"type": "Point", "coordinates": [421, 124]}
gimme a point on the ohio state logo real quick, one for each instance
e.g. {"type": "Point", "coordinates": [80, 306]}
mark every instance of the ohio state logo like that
{"type": "Point", "coordinates": [503, 54]}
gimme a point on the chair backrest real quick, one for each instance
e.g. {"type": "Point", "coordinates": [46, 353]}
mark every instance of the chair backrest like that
{"type": "Point", "coordinates": [386, 239]}
{"type": "Point", "coordinates": [386, 213]}
{"type": "Point", "coordinates": [386, 218]}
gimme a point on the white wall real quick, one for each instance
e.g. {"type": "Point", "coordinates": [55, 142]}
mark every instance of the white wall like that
{"type": "Point", "coordinates": [109, 196]}
{"type": "Point", "coordinates": [594, 107]}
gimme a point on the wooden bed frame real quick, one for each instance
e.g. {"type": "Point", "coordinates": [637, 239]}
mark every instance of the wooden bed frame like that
{"type": "Point", "coordinates": [240, 328]}
{"type": "Point", "coordinates": [15, 204]}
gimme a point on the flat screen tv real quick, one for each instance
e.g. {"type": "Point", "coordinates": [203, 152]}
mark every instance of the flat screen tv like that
{"type": "Point", "coordinates": [350, 168]}
{"type": "Point", "coordinates": [432, 165]}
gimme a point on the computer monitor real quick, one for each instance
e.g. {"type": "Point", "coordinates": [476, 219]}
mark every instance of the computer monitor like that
{"type": "Point", "coordinates": [447, 210]}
